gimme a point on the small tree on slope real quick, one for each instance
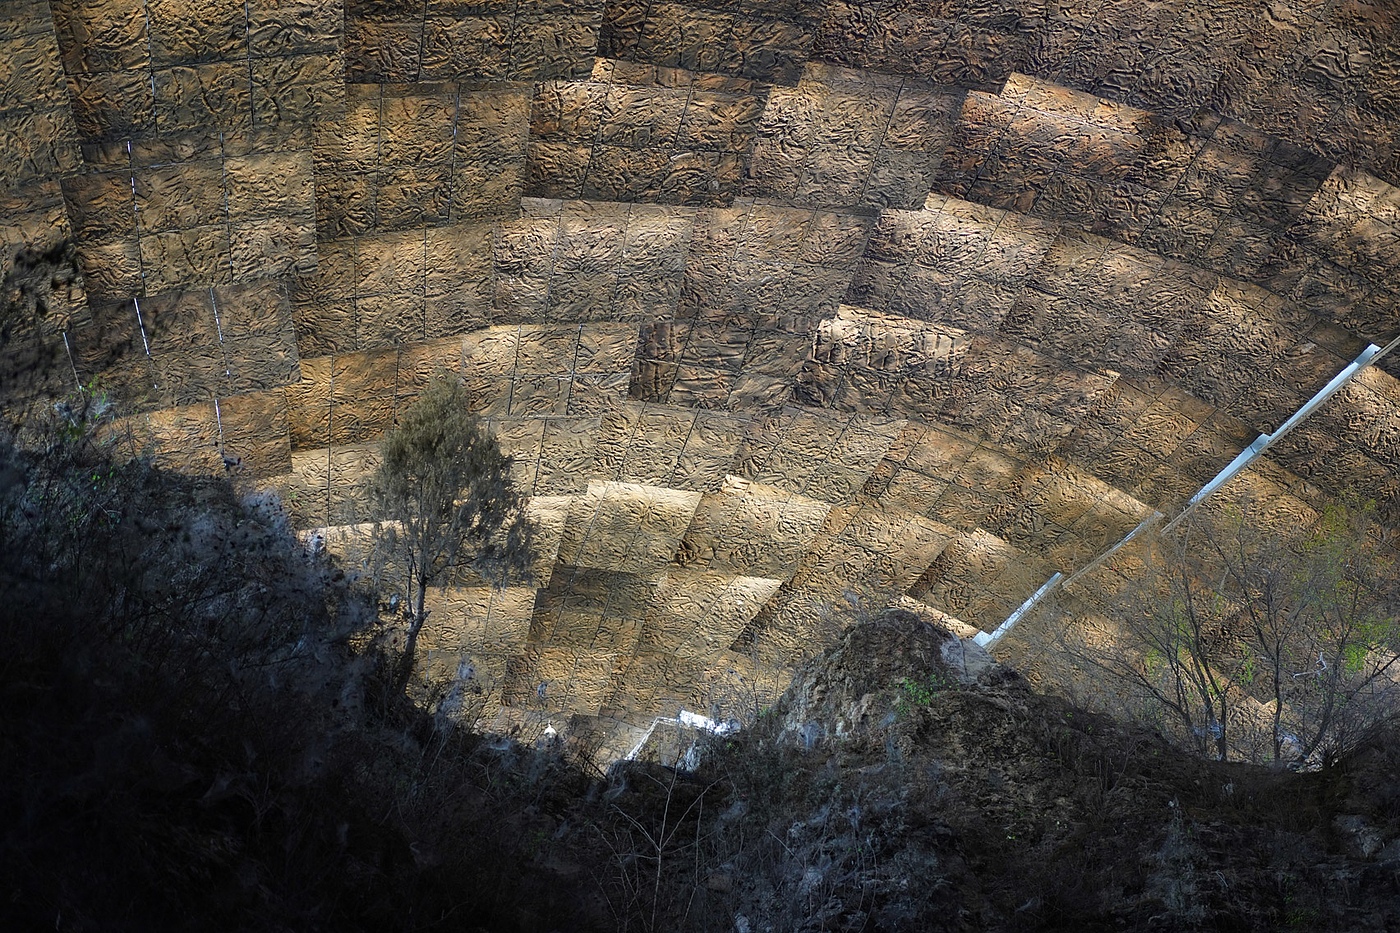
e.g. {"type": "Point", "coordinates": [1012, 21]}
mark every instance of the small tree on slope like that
{"type": "Point", "coordinates": [445, 501]}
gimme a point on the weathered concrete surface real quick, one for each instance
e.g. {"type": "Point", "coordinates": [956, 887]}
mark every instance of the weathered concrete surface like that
{"type": "Point", "coordinates": [779, 307]}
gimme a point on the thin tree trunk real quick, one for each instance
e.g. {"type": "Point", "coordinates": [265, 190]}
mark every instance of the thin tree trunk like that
{"type": "Point", "coordinates": [420, 615]}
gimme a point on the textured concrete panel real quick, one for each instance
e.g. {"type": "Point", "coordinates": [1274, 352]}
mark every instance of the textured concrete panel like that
{"type": "Point", "coordinates": [626, 527]}
{"type": "Point", "coordinates": [478, 620]}
{"type": "Point", "coordinates": [642, 134]}
{"type": "Point", "coordinates": [698, 614]}
{"type": "Point", "coordinates": [560, 680]}
{"type": "Point", "coordinates": [873, 302]}
{"type": "Point", "coordinates": [763, 41]}
{"type": "Point", "coordinates": [1285, 70]}
{"type": "Point", "coordinates": [172, 66]}
{"type": "Point", "coordinates": [193, 210]}
{"type": "Point", "coordinates": [446, 42]}
{"type": "Point", "coordinates": [844, 138]}
{"type": "Point", "coordinates": [750, 529]}
{"type": "Point", "coordinates": [186, 438]}
{"type": "Point", "coordinates": [38, 143]}
{"type": "Point", "coordinates": [412, 155]}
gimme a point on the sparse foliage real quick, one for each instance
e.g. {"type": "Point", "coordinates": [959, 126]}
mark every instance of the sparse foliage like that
{"type": "Point", "coordinates": [664, 836]}
{"type": "Point", "coordinates": [446, 503]}
{"type": "Point", "coordinates": [1246, 645]}
{"type": "Point", "coordinates": [199, 729]}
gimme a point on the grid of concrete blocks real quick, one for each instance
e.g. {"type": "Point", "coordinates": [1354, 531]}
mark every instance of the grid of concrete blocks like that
{"type": "Point", "coordinates": [782, 308]}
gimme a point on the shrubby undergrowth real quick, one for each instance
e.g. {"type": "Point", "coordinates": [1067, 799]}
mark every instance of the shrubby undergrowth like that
{"type": "Point", "coordinates": [900, 784]}
{"type": "Point", "coordinates": [198, 728]}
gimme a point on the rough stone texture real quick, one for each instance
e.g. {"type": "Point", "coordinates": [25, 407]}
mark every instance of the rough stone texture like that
{"type": "Point", "coordinates": [763, 41]}
{"type": "Point", "coordinates": [167, 66]}
{"type": "Point", "coordinates": [446, 40]}
{"type": "Point", "coordinates": [850, 138]}
{"type": "Point", "coordinates": [38, 145]}
{"type": "Point", "coordinates": [642, 133]}
{"type": "Point", "coordinates": [778, 306]}
{"type": "Point", "coordinates": [407, 156]}
{"type": "Point", "coordinates": [1320, 76]}
{"type": "Point", "coordinates": [204, 208]}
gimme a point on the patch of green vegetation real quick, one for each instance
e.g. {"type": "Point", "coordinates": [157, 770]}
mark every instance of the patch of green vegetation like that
{"type": "Point", "coordinates": [918, 693]}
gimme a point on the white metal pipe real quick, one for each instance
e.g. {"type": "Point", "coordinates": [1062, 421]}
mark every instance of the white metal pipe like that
{"type": "Point", "coordinates": [988, 640]}
{"type": "Point", "coordinates": [1263, 442]}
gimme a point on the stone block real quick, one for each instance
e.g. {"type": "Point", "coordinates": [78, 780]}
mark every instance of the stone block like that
{"type": "Point", "coordinates": [466, 47]}
{"type": "Point", "coordinates": [100, 205]}
{"type": "Point", "coordinates": [382, 50]}
{"type": "Point", "coordinates": [567, 455]}
{"type": "Point", "coordinates": [186, 438]}
{"type": "Point", "coordinates": [291, 27]}
{"type": "Point", "coordinates": [557, 46]}
{"type": "Point", "coordinates": [295, 88]}
{"type": "Point", "coordinates": [719, 121]}
{"type": "Point", "coordinates": [187, 256]}
{"type": "Point", "coordinates": [199, 95]}
{"type": "Point", "coordinates": [180, 321]}
{"type": "Point", "coordinates": [640, 118]}
{"type": "Point", "coordinates": [182, 32]}
{"type": "Point", "coordinates": [178, 196]}
{"type": "Point", "coordinates": [255, 430]}
{"type": "Point", "coordinates": [271, 246]}
{"type": "Point", "coordinates": [107, 36]}
{"type": "Point", "coordinates": [32, 76]}
{"type": "Point", "coordinates": [753, 530]}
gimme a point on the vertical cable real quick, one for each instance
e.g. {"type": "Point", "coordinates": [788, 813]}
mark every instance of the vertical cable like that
{"type": "Point", "coordinates": [218, 325]}
{"type": "Point", "coordinates": [135, 207]}
{"type": "Point", "coordinates": [77, 380]}
{"type": "Point", "coordinates": [142, 325]}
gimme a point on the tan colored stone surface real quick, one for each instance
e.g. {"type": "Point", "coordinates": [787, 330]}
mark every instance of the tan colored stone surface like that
{"type": "Point", "coordinates": [38, 144]}
{"type": "Point", "coordinates": [437, 42]}
{"type": "Point", "coordinates": [765, 42]}
{"type": "Point", "coordinates": [195, 210]}
{"type": "Point", "coordinates": [751, 529]}
{"type": "Point", "coordinates": [803, 304]}
{"type": "Point", "coordinates": [627, 130]}
{"type": "Point", "coordinates": [626, 527]}
{"type": "Point", "coordinates": [479, 621]}
{"type": "Point", "coordinates": [172, 66]}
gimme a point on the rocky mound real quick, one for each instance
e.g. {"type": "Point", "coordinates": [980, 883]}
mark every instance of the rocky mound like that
{"type": "Point", "coordinates": [858, 688]}
{"type": "Point", "coordinates": [906, 782]}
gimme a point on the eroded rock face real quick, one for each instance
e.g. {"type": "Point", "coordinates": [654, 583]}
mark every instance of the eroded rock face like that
{"type": "Point", "coordinates": [876, 672]}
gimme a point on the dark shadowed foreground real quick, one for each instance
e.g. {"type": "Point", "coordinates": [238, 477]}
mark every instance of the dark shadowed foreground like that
{"type": "Point", "coordinates": [197, 732]}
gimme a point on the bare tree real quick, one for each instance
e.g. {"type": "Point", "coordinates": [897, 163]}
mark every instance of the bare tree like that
{"type": "Point", "coordinates": [1243, 644]}
{"type": "Point", "coordinates": [1320, 643]}
{"type": "Point", "coordinates": [1175, 621]}
{"type": "Point", "coordinates": [445, 502]}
